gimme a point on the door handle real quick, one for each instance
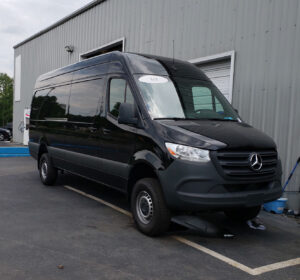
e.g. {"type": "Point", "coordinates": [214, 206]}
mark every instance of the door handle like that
{"type": "Point", "coordinates": [106, 131]}
{"type": "Point", "coordinates": [93, 129]}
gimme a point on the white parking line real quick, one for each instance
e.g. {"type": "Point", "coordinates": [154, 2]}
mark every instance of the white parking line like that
{"type": "Point", "coordinates": [127, 213]}
{"type": "Point", "coordinates": [249, 270]}
{"type": "Point", "coordinates": [252, 271]}
{"type": "Point", "coordinates": [214, 254]}
{"type": "Point", "coordinates": [275, 266]}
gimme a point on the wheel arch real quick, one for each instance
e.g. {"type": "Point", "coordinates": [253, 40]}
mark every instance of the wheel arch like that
{"type": "Point", "coordinates": [42, 149]}
{"type": "Point", "coordinates": [145, 164]}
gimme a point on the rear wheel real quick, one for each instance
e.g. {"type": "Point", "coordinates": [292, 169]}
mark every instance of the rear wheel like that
{"type": "Point", "coordinates": [242, 214]}
{"type": "Point", "coordinates": [149, 208]}
{"type": "Point", "coordinates": [48, 172]}
{"type": "Point", "coordinates": [2, 137]}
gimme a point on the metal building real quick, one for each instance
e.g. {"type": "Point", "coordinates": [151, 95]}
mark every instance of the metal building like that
{"type": "Point", "coordinates": [249, 48]}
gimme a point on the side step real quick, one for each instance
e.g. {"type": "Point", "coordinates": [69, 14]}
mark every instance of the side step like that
{"type": "Point", "coordinates": [202, 226]}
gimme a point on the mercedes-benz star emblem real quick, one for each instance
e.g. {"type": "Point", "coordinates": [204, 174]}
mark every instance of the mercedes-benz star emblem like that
{"type": "Point", "coordinates": [255, 161]}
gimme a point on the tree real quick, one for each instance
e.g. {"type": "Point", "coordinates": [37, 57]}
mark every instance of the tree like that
{"type": "Point", "coordinates": [6, 99]}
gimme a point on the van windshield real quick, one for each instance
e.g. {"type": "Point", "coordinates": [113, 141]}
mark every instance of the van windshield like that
{"type": "Point", "coordinates": [183, 98]}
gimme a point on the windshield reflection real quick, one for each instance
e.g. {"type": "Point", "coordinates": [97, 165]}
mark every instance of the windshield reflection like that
{"type": "Point", "coordinates": [183, 98]}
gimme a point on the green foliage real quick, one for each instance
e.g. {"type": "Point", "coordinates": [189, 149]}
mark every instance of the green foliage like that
{"type": "Point", "coordinates": [6, 99]}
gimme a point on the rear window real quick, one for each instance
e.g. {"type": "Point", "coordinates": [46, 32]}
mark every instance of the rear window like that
{"type": "Point", "coordinates": [37, 102]}
{"type": "Point", "coordinates": [56, 104]}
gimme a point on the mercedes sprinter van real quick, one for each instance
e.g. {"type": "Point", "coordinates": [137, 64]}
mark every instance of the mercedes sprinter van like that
{"type": "Point", "coordinates": [158, 130]}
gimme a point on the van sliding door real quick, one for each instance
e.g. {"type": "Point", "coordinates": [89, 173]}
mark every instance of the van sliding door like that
{"type": "Point", "coordinates": [82, 137]}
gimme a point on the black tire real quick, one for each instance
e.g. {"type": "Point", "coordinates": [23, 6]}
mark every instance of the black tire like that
{"type": "Point", "coordinates": [150, 212]}
{"type": "Point", "coordinates": [48, 173]}
{"type": "Point", "coordinates": [242, 214]}
{"type": "Point", "coordinates": [2, 137]}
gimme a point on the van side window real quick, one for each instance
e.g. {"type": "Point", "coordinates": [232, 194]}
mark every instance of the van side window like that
{"type": "Point", "coordinates": [37, 102]}
{"type": "Point", "coordinates": [84, 100]}
{"type": "Point", "coordinates": [56, 103]}
{"type": "Point", "coordinates": [119, 92]}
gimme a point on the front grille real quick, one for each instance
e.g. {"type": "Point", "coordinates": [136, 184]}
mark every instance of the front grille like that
{"type": "Point", "coordinates": [235, 164]}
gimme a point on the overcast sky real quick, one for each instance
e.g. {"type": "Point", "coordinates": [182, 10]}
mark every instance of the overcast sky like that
{"type": "Point", "coordinates": [20, 19]}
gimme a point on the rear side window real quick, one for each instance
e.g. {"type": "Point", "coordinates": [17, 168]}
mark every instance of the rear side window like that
{"type": "Point", "coordinates": [119, 92]}
{"type": "Point", "coordinates": [84, 100]}
{"type": "Point", "coordinates": [56, 103]}
{"type": "Point", "coordinates": [37, 103]}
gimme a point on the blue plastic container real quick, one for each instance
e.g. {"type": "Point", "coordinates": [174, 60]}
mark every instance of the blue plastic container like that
{"type": "Point", "coordinates": [276, 206]}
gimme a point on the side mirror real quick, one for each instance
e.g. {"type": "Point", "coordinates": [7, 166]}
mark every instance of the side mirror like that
{"type": "Point", "coordinates": [236, 110]}
{"type": "Point", "coordinates": [127, 114]}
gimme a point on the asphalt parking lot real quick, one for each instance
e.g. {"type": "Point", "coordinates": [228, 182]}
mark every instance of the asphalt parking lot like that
{"type": "Point", "coordinates": [66, 232]}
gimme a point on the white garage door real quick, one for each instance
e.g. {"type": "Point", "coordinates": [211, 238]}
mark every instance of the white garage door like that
{"type": "Point", "coordinates": [219, 73]}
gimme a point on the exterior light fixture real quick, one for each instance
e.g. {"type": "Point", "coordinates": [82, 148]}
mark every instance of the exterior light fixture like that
{"type": "Point", "coordinates": [69, 48]}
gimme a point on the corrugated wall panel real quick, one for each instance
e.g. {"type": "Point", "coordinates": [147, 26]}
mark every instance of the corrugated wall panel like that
{"type": "Point", "coordinates": [265, 35]}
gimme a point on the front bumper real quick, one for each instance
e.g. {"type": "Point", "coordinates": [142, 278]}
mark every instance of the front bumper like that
{"type": "Point", "coordinates": [190, 186]}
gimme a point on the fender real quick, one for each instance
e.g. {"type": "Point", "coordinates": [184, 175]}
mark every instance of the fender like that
{"type": "Point", "coordinates": [143, 163]}
{"type": "Point", "coordinates": [149, 158]}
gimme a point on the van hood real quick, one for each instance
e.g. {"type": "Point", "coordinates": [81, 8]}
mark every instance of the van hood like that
{"type": "Point", "coordinates": [216, 134]}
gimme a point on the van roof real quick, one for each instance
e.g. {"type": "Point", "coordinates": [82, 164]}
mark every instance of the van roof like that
{"type": "Point", "coordinates": [135, 63]}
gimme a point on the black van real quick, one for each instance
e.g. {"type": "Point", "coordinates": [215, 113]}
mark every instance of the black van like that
{"type": "Point", "coordinates": [156, 129]}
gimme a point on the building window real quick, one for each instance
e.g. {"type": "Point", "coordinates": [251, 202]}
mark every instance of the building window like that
{"type": "Point", "coordinates": [116, 45]}
{"type": "Point", "coordinates": [18, 78]}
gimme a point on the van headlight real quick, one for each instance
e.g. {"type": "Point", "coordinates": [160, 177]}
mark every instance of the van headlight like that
{"type": "Point", "coordinates": [188, 153]}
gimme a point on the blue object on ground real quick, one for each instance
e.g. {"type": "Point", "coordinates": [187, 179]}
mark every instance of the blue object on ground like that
{"type": "Point", "coordinates": [14, 152]}
{"type": "Point", "coordinates": [276, 206]}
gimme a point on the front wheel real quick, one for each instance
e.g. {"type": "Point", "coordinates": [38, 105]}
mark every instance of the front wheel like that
{"type": "Point", "coordinates": [149, 209]}
{"type": "Point", "coordinates": [242, 214]}
{"type": "Point", "coordinates": [2, 137]}
{"type": "Point", "coordinates": [48, 172]}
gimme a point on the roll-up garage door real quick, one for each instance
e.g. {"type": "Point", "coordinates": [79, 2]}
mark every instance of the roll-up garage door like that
{"type": "Point", "coordinates": [219, 73]}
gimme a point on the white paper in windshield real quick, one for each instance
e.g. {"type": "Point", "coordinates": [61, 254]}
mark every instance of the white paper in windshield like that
{"type": "Point", "coordinates": [151, 79]}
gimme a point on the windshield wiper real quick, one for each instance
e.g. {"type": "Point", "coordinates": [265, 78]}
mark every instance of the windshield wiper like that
{"type": "Point", "coordinates": [197, 119]}
{"type": "Point", "coordinates": [217, 119]}
{"type": "Point", "coordinates": [174, 119]}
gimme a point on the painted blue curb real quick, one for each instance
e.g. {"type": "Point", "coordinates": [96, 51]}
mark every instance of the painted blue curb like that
{"type": "Point", "coordinates": [14, 152]}
{"type": "Point", "coordinates": [14, 155]}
